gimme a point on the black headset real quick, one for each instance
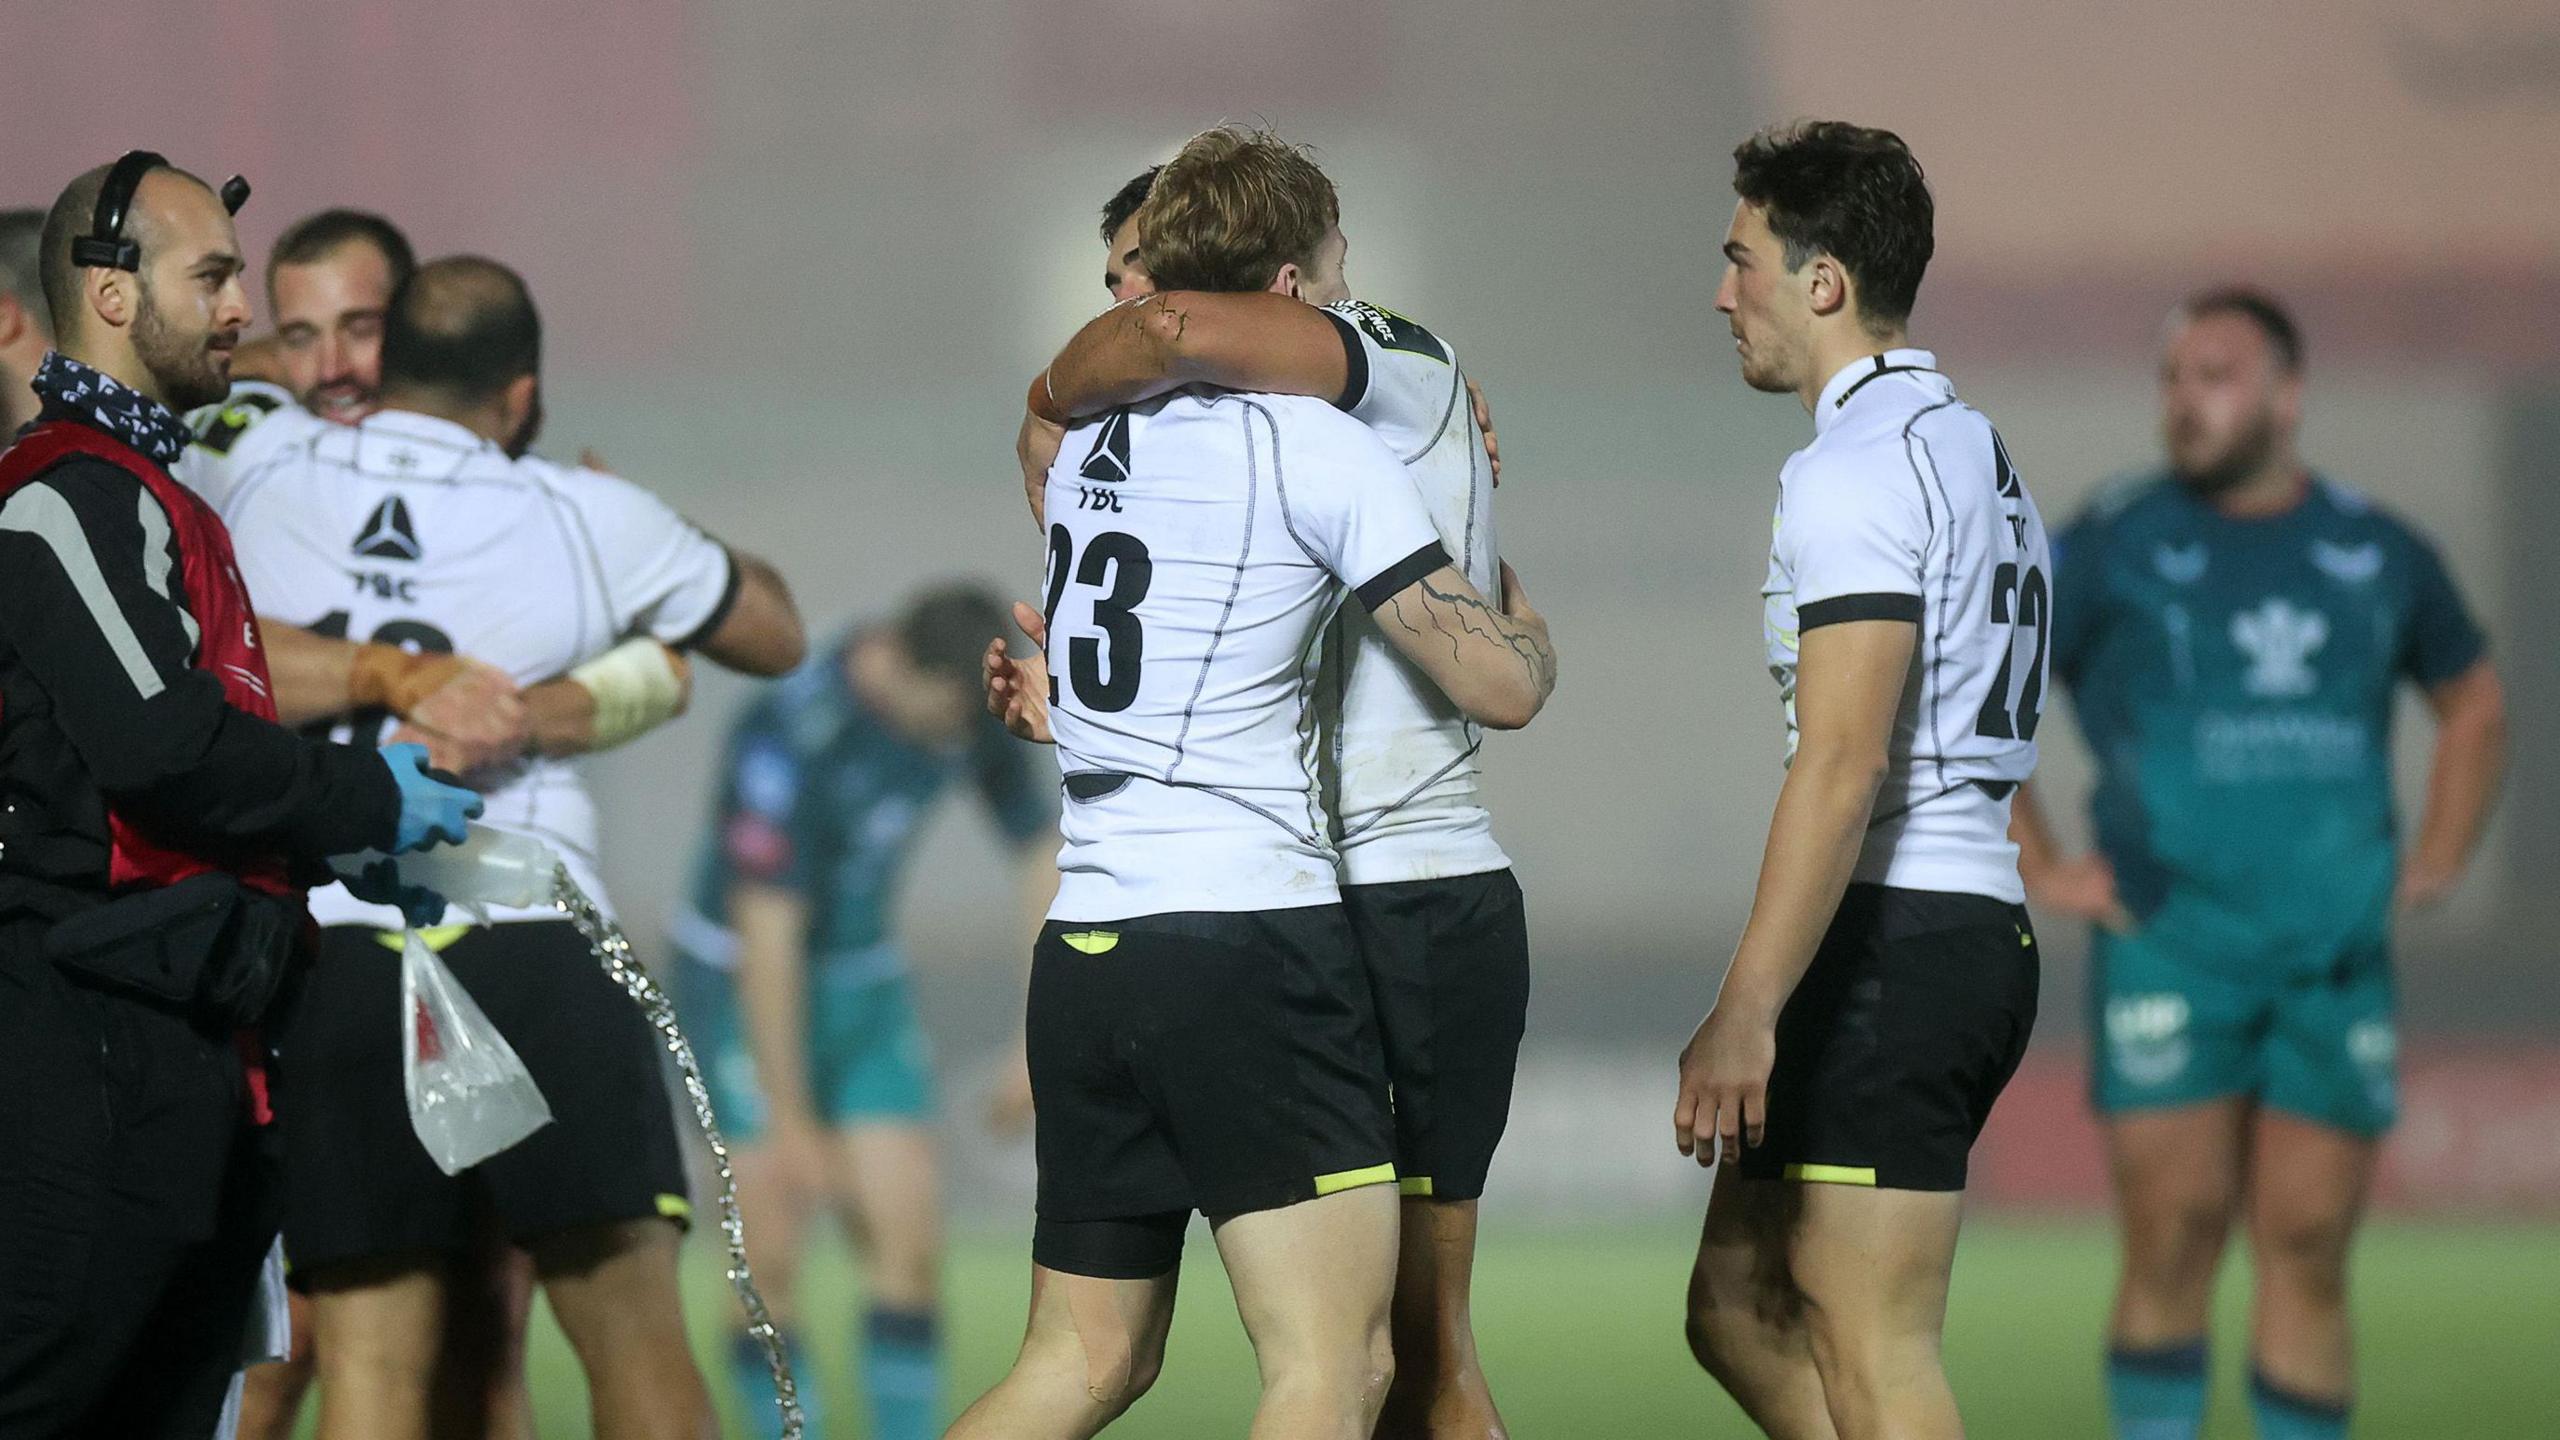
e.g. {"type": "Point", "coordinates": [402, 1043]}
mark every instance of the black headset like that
{"type": "Point", "coordinates": [105, 245]}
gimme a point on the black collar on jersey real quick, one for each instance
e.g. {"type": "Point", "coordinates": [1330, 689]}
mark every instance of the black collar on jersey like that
{"type": "Point", "coordinates": [1881, 369]}
{"type": "Point", "coordinates": [73, 391]}
{"type": "Point", "coordinates": [105, 246]}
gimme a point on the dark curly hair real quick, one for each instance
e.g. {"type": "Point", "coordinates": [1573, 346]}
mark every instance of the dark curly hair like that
{"type": "Point", "coordinates": [1850, 192]}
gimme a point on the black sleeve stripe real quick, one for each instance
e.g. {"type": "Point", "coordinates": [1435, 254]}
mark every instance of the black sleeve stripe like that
{"type": "Point", "coordinates": [1874, 606]}
{"type": "Point", "coordinates": [719, 612]}
{"type": "Point", "coordinates": [1355, 364]}
{"type": "Point", "coordinates": [1386, 584]}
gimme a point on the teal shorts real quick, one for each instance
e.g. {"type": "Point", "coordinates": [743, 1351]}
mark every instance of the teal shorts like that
{"type": "Point", "coordinates": [2320, 1044]}
{"type": "Point", "coordinates": [868, 1058]}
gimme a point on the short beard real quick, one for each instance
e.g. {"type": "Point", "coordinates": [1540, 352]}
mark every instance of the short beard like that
{"type": "Point", "coordinates": [182, 365]}
{"type": "Point", "coordinates": [1766, 382]}
{"type": "Point", "coordinates": [2246, 457]}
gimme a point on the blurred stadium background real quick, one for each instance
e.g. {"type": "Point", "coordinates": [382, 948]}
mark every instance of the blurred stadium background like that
{"type": "Point", "coordinates": [797, 258]}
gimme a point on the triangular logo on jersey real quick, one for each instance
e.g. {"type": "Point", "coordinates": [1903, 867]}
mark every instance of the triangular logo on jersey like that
{"type": "Point", "coordinates": [2010, 486]}
{"type": "Point", "coordinates": [387, 533]}
{"type": "Point", "coordinates": [1109, 462]}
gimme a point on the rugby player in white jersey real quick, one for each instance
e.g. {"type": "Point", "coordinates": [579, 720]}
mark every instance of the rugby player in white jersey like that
{"type": "Point", "coordinates": [1201, 1029]}
{"type": "Point", "coordinates": [330, 279]}
{"type": "Point", "coordinates": [1430, 895]}
{"type": "Point", "coordinates": [439, 531]}
{"type": "Point", "coordinates": [1885, 984]}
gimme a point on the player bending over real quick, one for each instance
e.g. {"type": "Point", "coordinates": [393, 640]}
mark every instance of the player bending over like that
{"type": "Point", "coordinates": [796, 990]}
{"type": "Point", "coordinates": [1201, 1030]}
{"type": "Point", "coordinates": [1886, 981]}
{"type": "Point", "coordinates": [1429, 893]}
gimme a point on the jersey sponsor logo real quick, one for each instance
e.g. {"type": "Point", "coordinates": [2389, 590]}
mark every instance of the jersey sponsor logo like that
{"type": "Point", "coordinates": [2147, 1037]}
{"type": "Point", "coordinates": [2180, 564]}
{"type": "Point", "coordinates": [1392, 330]}
{"type": "Point", "coordinates": [2259, 747]}
{"type": "Point", "coordinates": [389, 534]}
{"type": "Point", "coordinates": [1109, 462]}
{"type": "Point", "coordinates": [2347, 564]}
{"type": "Point", "coordinates": [2280, 638]}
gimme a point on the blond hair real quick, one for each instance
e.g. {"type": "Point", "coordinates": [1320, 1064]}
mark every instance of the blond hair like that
{"type": "Point", "coordinates": [1231, 209]}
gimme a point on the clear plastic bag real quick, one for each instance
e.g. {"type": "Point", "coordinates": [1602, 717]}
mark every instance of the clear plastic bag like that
{"type": "Point", "coordinates": [469, 1096]}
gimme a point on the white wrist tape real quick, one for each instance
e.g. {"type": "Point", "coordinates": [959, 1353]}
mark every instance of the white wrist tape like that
{"type": "Point", "coordinates": [638, 686]}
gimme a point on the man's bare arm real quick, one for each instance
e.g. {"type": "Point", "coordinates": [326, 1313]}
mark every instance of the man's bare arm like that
{"type": "Point", "coordinates": [761, 634]}
{"type": "Point", "coordinates": [1259, 341]}
{"type": "Point", "coordinates": [474, 709]}
{"type": "Point", "coordinates": [2462, 785]}
{"type": "Point", "coordinates": [1849, 682]}
{"type": "Point", "coordinates": [1497, 664]}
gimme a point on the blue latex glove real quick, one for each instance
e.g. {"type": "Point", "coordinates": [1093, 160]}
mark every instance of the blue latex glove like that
{"type": "Point", "coordinates": [433, 809]}
{"type": "Point", "coordinates": [380, 883]}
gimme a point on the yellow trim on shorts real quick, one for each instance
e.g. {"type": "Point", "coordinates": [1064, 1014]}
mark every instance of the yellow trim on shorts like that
{"type": "Point", "coordinates": [1832, 1174]}
{"type": "Point", "coordinates": [1091, 942]}
{"type": "Point", "coordinates": [676, 1207]}
{"type": "Point", "coordinates": [1341, 1180]}
{"type": "Point", "coordinates": [1417, 1185]}
{"type": "Point", "coordinates": [439, 938]}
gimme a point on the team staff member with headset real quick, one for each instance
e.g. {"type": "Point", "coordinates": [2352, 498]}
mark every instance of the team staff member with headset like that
{"type": "Point", "coordinates": [157, 830]}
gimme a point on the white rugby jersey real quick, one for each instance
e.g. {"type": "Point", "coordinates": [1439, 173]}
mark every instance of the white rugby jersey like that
{"type": "Point", "coordinates": [1198, 544]}
{"type": "Point", "coordinates": [1399, 756]}
{"type": "Point", "coordinates": [410, 530]}
{"type": "Point", "coordinates": [255, 422]}
{"type": "Point", "coordinates": [1906, 507]}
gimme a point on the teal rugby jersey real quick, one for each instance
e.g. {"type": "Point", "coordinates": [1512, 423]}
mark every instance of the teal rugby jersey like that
{"type": "Point", "coordinates": [820, 796]}
{"type": "Point", "coordinates": [2235, 679]}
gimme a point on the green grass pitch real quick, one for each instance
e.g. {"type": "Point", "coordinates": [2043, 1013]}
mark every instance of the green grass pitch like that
{"type": "Point", "coordinates": [1581, 1334]}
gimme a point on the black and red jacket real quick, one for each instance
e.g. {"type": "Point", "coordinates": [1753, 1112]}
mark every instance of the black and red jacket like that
{"type": "Point", "coordinates": [138, 738]}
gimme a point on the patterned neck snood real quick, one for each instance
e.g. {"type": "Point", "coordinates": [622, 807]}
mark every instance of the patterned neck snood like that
{"type": "Point", "coordinates": [68, 387]}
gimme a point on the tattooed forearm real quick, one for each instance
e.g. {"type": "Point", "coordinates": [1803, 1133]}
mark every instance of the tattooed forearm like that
{"type": "Point", "coordinates": [1160, 325]}
{"type": "Point", "coordinates": [1455, 615]}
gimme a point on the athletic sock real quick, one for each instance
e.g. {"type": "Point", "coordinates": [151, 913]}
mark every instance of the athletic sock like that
{"type": "Point", "coordinates": [751, 1381]}
{"type": "Point", "coordinates": [2282, 1414]}
{"type": "Point", "coordinates": [902, 1373]}
{"type": "Point", "coordinates": [2156, 1392]}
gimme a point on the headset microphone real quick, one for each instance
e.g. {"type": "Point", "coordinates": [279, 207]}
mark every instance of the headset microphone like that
{"type": "Point", "coordinates": [106, 244]}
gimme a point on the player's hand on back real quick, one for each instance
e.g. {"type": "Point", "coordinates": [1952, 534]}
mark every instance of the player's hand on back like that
{"type": "Point", "coordinates": [1484, 422]}
{"type": "Point", "coordinates": [1018, 686]}
{"type": "Point", "coordinates": [1724, 1085]}
{"type": "Point", "coordinates": [475, 719]}
{"type": "Point", "coordinates": [2084, 888]}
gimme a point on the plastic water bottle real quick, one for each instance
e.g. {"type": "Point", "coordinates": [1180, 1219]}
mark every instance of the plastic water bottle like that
{"type": "Point", "coordinates": [490, 867]}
